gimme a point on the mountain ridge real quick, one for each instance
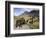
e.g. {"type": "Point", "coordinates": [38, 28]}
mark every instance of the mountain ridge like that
{"type": "Point", "coordinates": [33, 13]}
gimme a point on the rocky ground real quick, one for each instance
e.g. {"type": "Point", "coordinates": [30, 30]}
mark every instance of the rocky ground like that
{"type": "Point", "coordinates": [25, 26]}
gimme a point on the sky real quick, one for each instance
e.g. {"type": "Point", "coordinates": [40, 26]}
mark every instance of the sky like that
{"type": "Point", "coordinates": [19, 11]}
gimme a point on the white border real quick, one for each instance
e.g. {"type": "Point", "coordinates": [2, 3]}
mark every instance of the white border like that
{"type": "Point", "coordinates": [12, 31]}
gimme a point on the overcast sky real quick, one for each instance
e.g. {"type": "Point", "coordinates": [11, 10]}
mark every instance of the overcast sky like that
{"type": "Point", "coordinates": [19, 11]}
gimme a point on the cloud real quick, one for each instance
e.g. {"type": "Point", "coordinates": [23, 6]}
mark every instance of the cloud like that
{"type": "Point", "coordinates": [17, 14]}
{"type": "Point", "coordinates": [27, 9]}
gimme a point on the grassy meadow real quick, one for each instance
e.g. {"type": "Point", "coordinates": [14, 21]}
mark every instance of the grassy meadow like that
{"type": "Point", "coordinates": [32, 22]}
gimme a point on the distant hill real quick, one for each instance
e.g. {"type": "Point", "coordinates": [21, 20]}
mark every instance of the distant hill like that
{"type": "Point", "coordinates": [35, 12]}
{"type": "Point", "coordinates": [31, 13]}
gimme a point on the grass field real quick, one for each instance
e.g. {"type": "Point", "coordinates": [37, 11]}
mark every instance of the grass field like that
{"type": "Point", "coordinates": [28, 20]}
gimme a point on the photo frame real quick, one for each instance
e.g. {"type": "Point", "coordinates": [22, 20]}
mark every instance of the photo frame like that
{"type": "Point", "coordinates": [24, 18]}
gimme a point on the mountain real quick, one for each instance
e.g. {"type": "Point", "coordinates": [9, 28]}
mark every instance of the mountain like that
{"type": "Point", "coordinates": [35, 12]}
{"type": "Point", "coordinates": [31, 13]}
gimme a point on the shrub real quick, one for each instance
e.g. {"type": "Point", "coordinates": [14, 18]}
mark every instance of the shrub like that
{"type": "Point", "coordinates": [20, 21]}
